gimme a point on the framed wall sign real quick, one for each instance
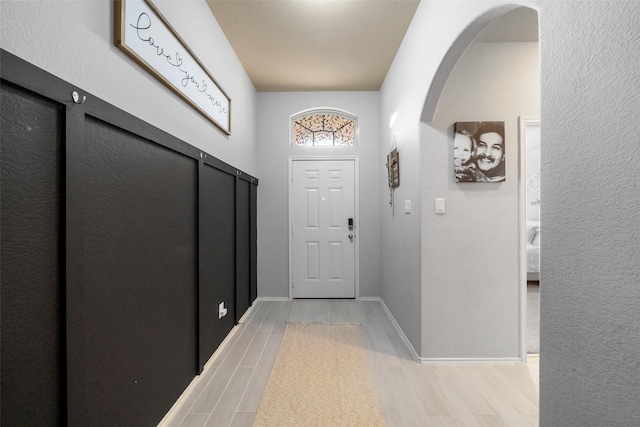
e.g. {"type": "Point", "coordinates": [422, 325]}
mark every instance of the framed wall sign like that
{"type": "Point", "coordinates": [145, 35]}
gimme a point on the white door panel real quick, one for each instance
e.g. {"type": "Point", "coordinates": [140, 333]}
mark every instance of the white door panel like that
{"type": "Point", "coordinates": [323, 256]}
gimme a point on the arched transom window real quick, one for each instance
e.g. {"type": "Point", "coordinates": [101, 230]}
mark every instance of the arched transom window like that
{"type": "Point", "coordinates": [324, 127]}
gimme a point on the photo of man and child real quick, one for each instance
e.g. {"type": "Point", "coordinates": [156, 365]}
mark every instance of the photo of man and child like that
{"type": "Point", "coordinates": [478, 151]}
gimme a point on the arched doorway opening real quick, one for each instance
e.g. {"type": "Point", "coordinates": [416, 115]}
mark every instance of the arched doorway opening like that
{"type": "Point", "coordinates": [491, 73]}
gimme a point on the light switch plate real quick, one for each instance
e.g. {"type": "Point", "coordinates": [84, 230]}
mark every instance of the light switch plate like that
{"type": "Point", "coordinates": [439, 206]}
{"type": "Point", "coordinates": [407, 206]}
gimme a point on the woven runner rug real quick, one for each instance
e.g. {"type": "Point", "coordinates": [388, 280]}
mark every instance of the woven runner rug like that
{"type": "Point", "coordinates": [321, 377]}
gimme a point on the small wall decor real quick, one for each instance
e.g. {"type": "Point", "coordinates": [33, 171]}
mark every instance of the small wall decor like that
{"type": "Point", "coordinates": [393, 168]}
{"type": "Point", "coordinates": [393, 172]}
{"type": "Point", "coordinates": [145, 35]}
{"type": "Point", "coordinates": [478, 151]}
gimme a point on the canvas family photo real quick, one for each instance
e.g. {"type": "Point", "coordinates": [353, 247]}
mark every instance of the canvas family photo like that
{"type": "Point", "coordinates": [478, 151]}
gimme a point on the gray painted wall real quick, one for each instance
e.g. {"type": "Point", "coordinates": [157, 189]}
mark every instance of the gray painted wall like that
{"type": "Point", "coordinates": [274, 150]}
{"type": "Point", "coordinates": [590, 301]}
{"type": "Point", "coordinates": [470, 255]}
{"type": "Point", "coordinates": [590, 294]}
{"type": "Point", "coordinates": [74, 41]}
{"type": "Point", "coordinates": [590, 92]}
{"type": "Point", "coordinates": [429, 39]}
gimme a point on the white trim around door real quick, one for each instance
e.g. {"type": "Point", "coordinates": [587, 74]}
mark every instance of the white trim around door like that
{"type": "Point", "coordinates": [523, 123]}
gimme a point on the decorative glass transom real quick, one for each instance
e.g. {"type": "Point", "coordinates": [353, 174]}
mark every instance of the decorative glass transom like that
{"type": "Point", "coordinates": [328, 128]}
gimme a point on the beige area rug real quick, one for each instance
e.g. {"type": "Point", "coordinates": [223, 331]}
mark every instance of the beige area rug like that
{"type": "Point", "coordinates": [321, 377]}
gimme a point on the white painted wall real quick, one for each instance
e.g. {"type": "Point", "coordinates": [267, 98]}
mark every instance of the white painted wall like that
{"type": "Point", "coordinates": [470, 255]}
{"type": "Point", "coordinates": [74, 41]}
{"type": "Point", "coordinates": [274, 110]}
{"type": "Point", "coordinates": [532, 201]}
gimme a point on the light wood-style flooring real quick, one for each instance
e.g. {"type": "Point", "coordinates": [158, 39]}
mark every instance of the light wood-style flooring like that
{"type": "Point", "coordinates": [228, 392]}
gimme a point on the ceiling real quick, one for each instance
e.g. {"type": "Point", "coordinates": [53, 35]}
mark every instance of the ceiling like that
{"type": "Point", "coordinates": [332, 45]}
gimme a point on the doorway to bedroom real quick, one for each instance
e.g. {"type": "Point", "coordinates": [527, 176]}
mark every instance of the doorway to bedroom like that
{"type": "Point", "coordinates": [530, 195]}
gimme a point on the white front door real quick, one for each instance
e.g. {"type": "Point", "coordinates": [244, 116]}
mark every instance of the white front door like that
{"type": "Point", "coordinates": [323, 246]}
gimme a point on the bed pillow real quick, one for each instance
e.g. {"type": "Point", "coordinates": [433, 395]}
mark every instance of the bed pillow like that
{"type": "Point", "coordinates": [536, 239]}
{"type": "Point", "coordinates": [533, 228]}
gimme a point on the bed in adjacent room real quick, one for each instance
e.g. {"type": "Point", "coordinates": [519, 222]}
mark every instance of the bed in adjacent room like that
{"type": "Point", "coordinates": [533, 250]}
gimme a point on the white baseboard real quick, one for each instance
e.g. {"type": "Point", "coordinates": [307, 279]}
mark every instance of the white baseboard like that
{"type": "Point", "coordinates": [469, 361]}
{"type": "Point", "coordinates": [273, 299]}
{"type": "Point", "coordinates": [404, 338]}
{"type": "Point", "coordinates": [168, 418]}
{"type": "Point", "coordinates": [442, 360]}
